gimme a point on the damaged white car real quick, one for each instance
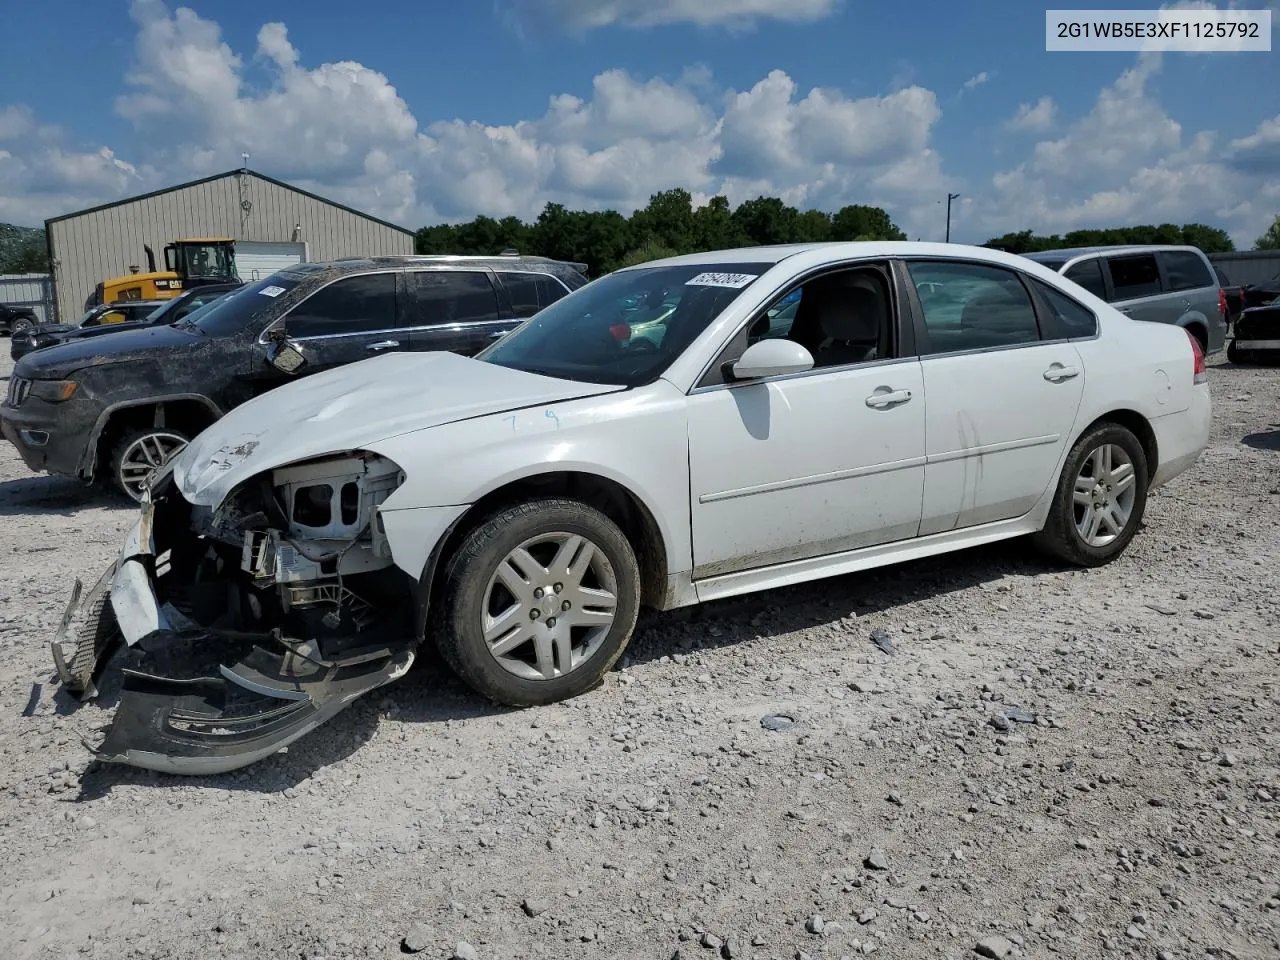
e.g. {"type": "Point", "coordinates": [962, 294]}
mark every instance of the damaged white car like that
{"type": "Point", "coordinates": [518, 508]}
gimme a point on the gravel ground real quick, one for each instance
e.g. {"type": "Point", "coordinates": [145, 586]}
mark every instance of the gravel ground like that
{"type": "Point", "coordinates": [905, 809]}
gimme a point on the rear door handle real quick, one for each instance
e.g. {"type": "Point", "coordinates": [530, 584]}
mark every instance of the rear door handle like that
{"type": "Point", "coordinates": [383, 345]}
{"type": "Point", "coordinates": [1059, 374]}
{"type": "Point", "coordinates": [884, 398]}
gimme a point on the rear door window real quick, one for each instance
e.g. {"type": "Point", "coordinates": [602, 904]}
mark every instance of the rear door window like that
{"type": "Point", "coordinates": [451, 296]}
{"type": "Point", "coordinates": [971, 306]}
{"type": "Point", "coordinates": [530, 292]}
{"type": "Point", "coordinates": [1134, 276]}
{"type": "Point", "coordinates": [1088, 273]}
{"type": "Point", "coordinates": [1186, 270]}
{"type": "Point", "coordinates": [361, 304]}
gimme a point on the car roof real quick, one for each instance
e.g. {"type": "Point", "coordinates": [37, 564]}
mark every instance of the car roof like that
{"type": "Point", "coordinates": [1070, 253]}
{"type": "Point", "coordinates": [838, 250]}
{"type": "Point", "coordinates": [520, 264]}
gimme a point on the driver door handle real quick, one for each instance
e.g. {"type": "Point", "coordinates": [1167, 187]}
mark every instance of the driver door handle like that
{"type": "Point", "coordinates": [881, 400]}
{"type": "Point", "coordinates": [1060, 374]}
{"type": "Point", "coordinates": [383, 345]}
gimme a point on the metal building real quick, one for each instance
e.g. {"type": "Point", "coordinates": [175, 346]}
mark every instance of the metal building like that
{"type": "Point", "coordinates": [34, 290]}
{"type": "Point", "coordinates": [274, 224]}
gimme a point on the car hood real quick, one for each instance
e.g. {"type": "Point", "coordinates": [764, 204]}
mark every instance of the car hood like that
{"type": "Point", "coordinates": [54, 328]}
{"type": "Point", "coordinates": [64, 359]}
{"type": "Point", "coordinates": [351, 407]}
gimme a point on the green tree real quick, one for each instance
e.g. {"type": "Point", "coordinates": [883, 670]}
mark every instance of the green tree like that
{"type": "Point", "coordinates": [714, 227]}
{"type": "Point", "coordinates": [860, 222]}
{"type": "Point", "coordinates": [667, 221]}
{"type": "Point", "coordinates": [650, 250]}
{"type": "Point", "coordinates": [1271, 239]}
{"type": "Point", "coordinates": [766, 220]}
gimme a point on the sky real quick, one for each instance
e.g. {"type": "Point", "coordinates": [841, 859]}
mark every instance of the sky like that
{"type": "Point", "coordinates": [427, 111]}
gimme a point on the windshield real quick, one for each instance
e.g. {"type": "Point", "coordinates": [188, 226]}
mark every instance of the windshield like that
{"type": "Point", "coordinates": [235, 311]}
{"type": "Point", "coordinates": [625, 328]}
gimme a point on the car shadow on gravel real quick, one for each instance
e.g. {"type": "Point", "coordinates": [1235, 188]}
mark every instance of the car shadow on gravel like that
{"type": "Point", "coordinates": [33, 496]}
{"type": "Point", "coordinates": [431, 694]}
{"type": "Point", "coordinates": [1263, 440]}
{"type": "Point", "coordinates": [823, 602]}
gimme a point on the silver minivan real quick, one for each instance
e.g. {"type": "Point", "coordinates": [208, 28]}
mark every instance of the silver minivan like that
{"type": "Point", "coordinates": [1163, 284]}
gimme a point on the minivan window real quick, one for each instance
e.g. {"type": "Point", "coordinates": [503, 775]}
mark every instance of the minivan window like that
{"type": "Point", "coordinates": [360, 304]}
{"type": "Point", "coordinates": [1135, 276]}
{"type": "Point", "coordinates": [1088, 273]}
{"type": "Point", "coordinates": [1186, 270]}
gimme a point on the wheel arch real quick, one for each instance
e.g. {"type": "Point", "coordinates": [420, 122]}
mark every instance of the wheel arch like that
{"type": "Point", "coordinates": [614, 499]}
{"type": "Point", "coordinates": [188, 411]}
{"type": "Point", "coordinates": [1135, 423]}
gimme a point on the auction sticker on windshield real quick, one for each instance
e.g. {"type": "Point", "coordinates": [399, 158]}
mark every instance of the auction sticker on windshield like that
{"type": "Point", "coordinates": [271, 291]}
{"type": "Point", "coordinates": [735, 281]}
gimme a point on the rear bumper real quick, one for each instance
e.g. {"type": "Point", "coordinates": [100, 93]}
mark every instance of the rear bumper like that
{"type": "Point", "coordinates": [1257, 344]}
{"type": "Point", "coordinates": [1182, 437]}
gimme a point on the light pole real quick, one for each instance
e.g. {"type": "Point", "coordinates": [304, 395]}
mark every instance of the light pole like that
{"type": "Point", "coordinates": [950, 197]}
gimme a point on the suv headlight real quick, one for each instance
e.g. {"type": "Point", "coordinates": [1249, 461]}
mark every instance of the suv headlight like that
{"type": "Point", "coordinates": [54, 391]}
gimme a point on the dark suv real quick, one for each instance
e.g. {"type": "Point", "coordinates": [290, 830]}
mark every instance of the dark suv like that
{"type": "Point", "coordinates": [13, 319]}
{"type": "Point", "coordinates": [116, 407]}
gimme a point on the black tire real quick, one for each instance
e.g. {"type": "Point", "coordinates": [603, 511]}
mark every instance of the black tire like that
{"type": "Point", "coordinates": [1060, 538]}
{"type": "Point", "coordinates": [124, 446]}
{"type": "Point", "coordinates": [21, 325]}
{"type": "Point", "coordinates": [1236, 355]}
{"type": "Point", "coordinates": [463, 597]}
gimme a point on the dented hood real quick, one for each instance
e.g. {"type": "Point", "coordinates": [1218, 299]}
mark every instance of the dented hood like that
{"type": "Point", "coordinates": [352, 406]}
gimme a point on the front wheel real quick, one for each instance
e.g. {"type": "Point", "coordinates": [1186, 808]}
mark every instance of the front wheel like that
{"type": "Point", "coordinates": [21, 325]}
{"type": "Point", "coordinates": [1100, 500]}
{"type": "Point", "coordinates": [1236, 355]}
{"type": "Point", "coordinates": [138, 454]}
{"type": "Point", "coordinates": [538, 602]}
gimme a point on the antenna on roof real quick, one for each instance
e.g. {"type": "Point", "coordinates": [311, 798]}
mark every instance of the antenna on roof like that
{"type": "Point", "coordinates": [245, 158]}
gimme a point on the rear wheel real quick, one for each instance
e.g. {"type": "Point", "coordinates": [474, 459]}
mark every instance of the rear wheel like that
{"type": "Point", "coordinates": [538, 603]}
{"type": "Point", "coordinates": [1236, 355]}
{"type": "Point", "coordinates": [1100, 500]}
{"type": "Point", "coordinates": [140, 452]}
{"type": "Point", "coordinates": [21, 325]}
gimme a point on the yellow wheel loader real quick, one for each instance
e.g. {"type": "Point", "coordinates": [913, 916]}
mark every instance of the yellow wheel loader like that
{"type": "Point", "coordinates": [188, 263]}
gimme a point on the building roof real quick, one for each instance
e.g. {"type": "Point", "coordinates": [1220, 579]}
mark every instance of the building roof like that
{"type": "Point", "coordinates": [220, 176]}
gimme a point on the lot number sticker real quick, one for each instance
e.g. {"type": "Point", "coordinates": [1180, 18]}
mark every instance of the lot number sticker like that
{"type": "Point", "coordinates": [734, 281]}
{"type": "Point", "coordinates": [271, 291]}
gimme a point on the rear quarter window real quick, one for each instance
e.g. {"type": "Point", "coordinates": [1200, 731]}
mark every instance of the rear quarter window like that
{"type": "Point", "coordinates": [1067, 319]}
{"type": "Point", "coordinates": [1186, 270]}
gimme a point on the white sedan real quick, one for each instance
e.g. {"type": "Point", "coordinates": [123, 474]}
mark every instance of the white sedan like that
{"type": "Point", "coordinates": [664, 436]}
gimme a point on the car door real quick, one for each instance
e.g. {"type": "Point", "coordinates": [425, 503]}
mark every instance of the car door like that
{"type": "Point", "coordinates": [1193, 295]}
{"type": "Point", "coordinates": [1136, 288]}
{"type": "Point", "coordinates": [454, 310]}
{"type": "Point", "coordinates": [1088, 274]}
{"type": "Point", "coordinates": [349, 319]}
{"type": "Point", "coordinates": [527, 293]}
{"type": "Point", "coordinates": [805, 465]}
{"type": "Point", "coordinates": [1002, 399]}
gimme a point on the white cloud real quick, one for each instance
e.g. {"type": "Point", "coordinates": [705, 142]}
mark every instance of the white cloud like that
{"type": "Point", "coordinates": [583, 15]}
{"type": "Point", "coordinates": [1128, 161]}
{"type": "Point", "coordinates": [977, 80]}
{"type": "Point", "coordinates": [1035, 117]}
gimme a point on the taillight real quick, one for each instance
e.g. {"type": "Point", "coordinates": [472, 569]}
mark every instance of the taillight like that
{"type": "Point", "coordinates": [1222, 302]}
{"type": "Point", "coordinates": [1200, 371]}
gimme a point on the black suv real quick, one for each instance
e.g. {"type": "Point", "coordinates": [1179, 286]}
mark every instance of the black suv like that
{"type": "Point", "coordinates": [115, 408]}
{"type": "Point", "coordinates": [115, 317]}
{"type": "Point", "coordinates": [14, 319]}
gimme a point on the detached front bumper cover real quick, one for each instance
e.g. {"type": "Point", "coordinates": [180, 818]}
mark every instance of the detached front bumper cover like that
{"type": "Point", "coordinates": [208, 701]}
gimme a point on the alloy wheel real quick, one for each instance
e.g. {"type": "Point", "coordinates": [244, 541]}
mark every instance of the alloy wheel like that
{"type": "Point", "coordinates": [549, 606]}
{"type": "Point", "coordinates": [143, 456]}
{"type": "Point", "coordinates": [1104, 495]}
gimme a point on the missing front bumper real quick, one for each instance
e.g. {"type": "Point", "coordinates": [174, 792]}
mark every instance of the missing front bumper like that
{"type": "Point", "coordinates": [198, 700]}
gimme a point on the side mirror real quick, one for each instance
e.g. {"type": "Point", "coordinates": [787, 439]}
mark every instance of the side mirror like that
{"type": "Point", "coordinates": [772, 358]}
{"type": "Point", "coordinates": [285, 355]}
